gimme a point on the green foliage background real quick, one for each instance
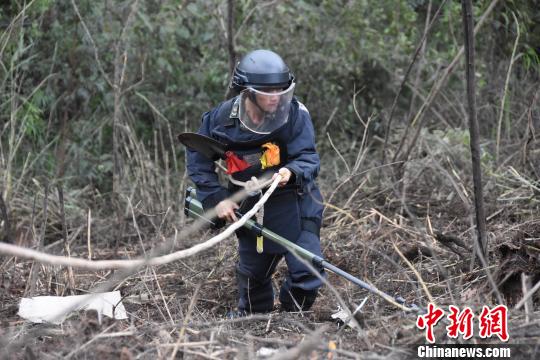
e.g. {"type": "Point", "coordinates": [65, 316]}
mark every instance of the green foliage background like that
{"type": "Point", "coordinates": [57, 97]}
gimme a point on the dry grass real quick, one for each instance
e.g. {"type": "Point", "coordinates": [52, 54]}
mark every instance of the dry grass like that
{"type": "Point", "coordinates": [407, 232]}
{"type": "Point", "coordinates": [180, 308]}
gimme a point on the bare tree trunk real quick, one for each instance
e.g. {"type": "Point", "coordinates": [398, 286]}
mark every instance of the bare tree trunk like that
{"type": "Point", "coordinates": [61, 150]}
{"type": "Point", "coordinates": [231, 49]}
{"type": "Point", "coordinates": [8, 236]}
{"type": "Point", "coordinates": [120, 67]}
{"type": "Point", "coordinates": [468, 29]}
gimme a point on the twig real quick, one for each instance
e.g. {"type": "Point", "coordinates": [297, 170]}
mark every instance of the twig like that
{"type": "Point", "coordinates": [416, 273]}
{"type": "Point", "coordinates": [339, 154]}
{"type": "Point", "coordinates": [116, 334]}
{"type": "Point", "coordinates": [270, 340]}
{"type": "Point", "coordinates": [88, 232]}
{"type": "Point", "coordinates": [192, 303]}
{"type": "Point", "coordinates": [363, 147]}
{"type": "Point", "coordinates": [421, 59]}
{"type": "Point", "coordinates": [41, 240]}
{"type": "Point", "coordinates": [71, 277]}
{"type": "Point", "coordinates": [154, 299]}
{"type": "Point", "coordinates": [526, 287]}
{"type": "Point", "coordinates": [486, 268]}
{"type": "Point", "coordinates": [330, 119]}
{"type": "Point", "coordinates": [529, 135]}
{"type": "Point", "coordinates": [527, 296]}
{"type": "Point", "coordinates": [521, 179]}
{"type": "Point", "coordinates": [351, 176]}
{"type": "Point", "coordinates": [120, 65]}
{"type": "Point", "coordinates": [356, 110]}
{"type": "Point", "coordinates": [191, 344]}
{"type": "Point", "coordinates": [162, 296]}
{"type": "Point", "coordinates": [340, 210]}
{"type": "Point", "coordinates": [211, 324]}
{"type": "Point", "coordinates": [94, 46]}
{"type": "Point", "coordinates": [7, 34]}
{"type": "Point", "coordinates": [419, 48]}
{"type": "Point", "coordinates": [250, 14]}
{"type": "Point", "coordinates": [5, 216]}
{"type": "Point", "coordinates": [505, 90]}
{"type": "Point", "coordinates": [419, 117]}
{"type": "Point", "coordinates": [136, 225]}
{"type": "Point", "coordinates": [202, 355]}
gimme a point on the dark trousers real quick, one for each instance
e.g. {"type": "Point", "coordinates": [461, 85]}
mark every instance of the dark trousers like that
{"type": "Point", "coordinates": [254, 275]}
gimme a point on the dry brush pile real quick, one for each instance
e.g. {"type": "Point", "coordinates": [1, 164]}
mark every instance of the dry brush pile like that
{"type": "Point", "coordinates": [410, 236]}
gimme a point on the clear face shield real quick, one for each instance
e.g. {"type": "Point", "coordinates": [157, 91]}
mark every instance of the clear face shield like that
{"type": "Point", "coordinates": [263, 112]}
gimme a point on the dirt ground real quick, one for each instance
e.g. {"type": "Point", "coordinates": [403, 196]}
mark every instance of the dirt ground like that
{"type": "Point", "coordinates": [419, 249]}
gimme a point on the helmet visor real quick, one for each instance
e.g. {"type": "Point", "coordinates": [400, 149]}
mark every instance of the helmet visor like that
{"type": "Point", "coordinates": [265, 110]}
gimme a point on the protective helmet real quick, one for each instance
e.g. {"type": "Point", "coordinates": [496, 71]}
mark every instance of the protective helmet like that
{"type": "Point", "coordinates": [261, 69]}
{"type": "Point", "coordinates": [266, 89]}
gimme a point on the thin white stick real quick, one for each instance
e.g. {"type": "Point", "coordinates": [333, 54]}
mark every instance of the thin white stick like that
{"type": "Point", "coordinates": [527, 296]}
{"type": "Point", "coordinates": [526, 286]}
{"type": "Point", "coordinates": [505, 90]}
{"type": "Point", "coordinates": [88, 232]}
{"type": "Point", "coordinates": [339, 154]}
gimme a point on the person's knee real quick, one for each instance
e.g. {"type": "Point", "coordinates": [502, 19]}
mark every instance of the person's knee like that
{"type": "Point", "coordinates": [257, 266]}
{"type": "Point", "coordinates": [310, 241]}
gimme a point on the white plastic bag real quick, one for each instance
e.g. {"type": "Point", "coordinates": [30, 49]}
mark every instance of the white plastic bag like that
{"type": "Point", "coordinates": [55, 309]}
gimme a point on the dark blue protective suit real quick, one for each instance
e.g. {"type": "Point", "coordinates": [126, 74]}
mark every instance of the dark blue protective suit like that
{"type": "Point", "coordinates": [293, 211]}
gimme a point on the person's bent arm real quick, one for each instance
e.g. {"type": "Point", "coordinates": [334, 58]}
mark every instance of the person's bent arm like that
{"type": "Point", "coordinates": [202, 172]}
{"type": "Point", "coordinates": [304, 160]}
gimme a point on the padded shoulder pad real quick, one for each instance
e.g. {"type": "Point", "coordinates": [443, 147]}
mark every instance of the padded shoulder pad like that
{"type": "Point", "coordinates": [223, 113]}
{"type": "Point", "coordinates": [302, 107]}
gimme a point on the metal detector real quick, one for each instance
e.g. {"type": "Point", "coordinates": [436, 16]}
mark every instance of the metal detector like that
{"type": "Point", "coordinates": [194, 209]}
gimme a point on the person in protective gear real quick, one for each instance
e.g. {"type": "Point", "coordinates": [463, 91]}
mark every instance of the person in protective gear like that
{"type": "Point", "coordinates": [267, 130]}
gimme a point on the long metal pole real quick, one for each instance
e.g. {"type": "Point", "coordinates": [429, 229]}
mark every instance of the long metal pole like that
{"type": "Point", "coordinates": [194, 208]}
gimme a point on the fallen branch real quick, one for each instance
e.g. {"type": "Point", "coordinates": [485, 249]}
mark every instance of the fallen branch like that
{"type": "Point", "coordinates": [41, 257]}
{"type": "Point", "coordinates": [416, 273]}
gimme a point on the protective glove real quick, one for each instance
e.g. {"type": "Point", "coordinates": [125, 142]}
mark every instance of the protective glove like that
{"type": "Point", "coordinates": [285, 176]}
{"type": "Point", "coordinates": [225, 210]}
